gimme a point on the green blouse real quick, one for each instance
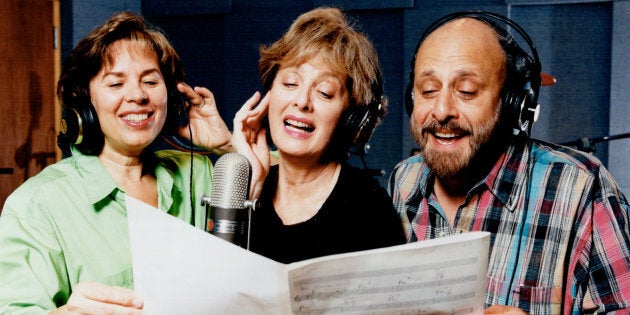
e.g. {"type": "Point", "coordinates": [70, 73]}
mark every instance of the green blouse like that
{"type": "Point", "coordinates": [68, 224]}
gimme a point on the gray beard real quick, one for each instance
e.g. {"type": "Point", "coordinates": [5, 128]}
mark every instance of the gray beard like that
{"type": "Point", "coordinates": [482, 145]}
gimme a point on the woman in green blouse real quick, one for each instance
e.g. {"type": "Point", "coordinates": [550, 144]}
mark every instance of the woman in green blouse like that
{"type": "Point", "coordinates": [64, 243]}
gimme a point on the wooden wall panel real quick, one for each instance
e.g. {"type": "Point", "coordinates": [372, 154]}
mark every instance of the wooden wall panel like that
{"type": "Point", "coordinates": [27, 90]}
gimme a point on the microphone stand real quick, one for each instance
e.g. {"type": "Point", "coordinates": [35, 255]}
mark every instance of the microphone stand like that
{"type": "Point", "coordinates": [588, 144]}
{"type": "Point", "coordinates": [361, 151]}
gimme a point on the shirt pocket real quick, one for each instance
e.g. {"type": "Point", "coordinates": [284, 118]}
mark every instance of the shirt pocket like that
{"type": "Point", "coordinates": [540, 300]}
{"type": "Point", "coordinates": [532, 299]}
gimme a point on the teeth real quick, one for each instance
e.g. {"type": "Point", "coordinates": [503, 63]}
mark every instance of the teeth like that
{"type": "Point", "coordinates": [136, 117]}
{"type": "Point", "coordinates": [445, 135]}
{"type": "Point", "coordinates": [299, 125]}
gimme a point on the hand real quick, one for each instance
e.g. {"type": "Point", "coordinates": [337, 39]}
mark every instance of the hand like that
{"type": "Point", "coordinates": [503, 309]}
{"type": "Point", "coordinates": [96, 298]}
{"type": "Point", "coordinates": [250, 140]}
{"type": "Point", "coordinates": [209, 129]}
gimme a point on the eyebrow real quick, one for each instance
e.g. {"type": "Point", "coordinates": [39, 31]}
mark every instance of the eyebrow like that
{"type": "Point", "coordinates": [467, 73]}
{"type": "Point", "coordinates": [122, 74]}
{"type": "Point", "coordinates": [460, 73]}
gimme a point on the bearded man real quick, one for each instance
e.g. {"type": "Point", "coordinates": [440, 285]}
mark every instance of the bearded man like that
{"type": "Point", "coordinates": [558, 222]}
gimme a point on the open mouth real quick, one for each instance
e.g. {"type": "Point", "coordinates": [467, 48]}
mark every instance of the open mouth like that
{"type": "Point", "coordinates": [298, 126]}
{"type": "Point", "coordinates": [447, 137]}
{"type": "Point", "coordinates": [136, 118]}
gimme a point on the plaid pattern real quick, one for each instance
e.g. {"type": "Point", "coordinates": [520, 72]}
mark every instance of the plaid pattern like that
{"type": "Point", "coordinates": [560, 234]}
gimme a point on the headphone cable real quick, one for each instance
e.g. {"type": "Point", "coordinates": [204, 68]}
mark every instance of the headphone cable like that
{"type": "Point", "coordinates": [191, 150]}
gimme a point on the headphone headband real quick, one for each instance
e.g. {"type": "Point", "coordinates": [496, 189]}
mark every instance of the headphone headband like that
{"type": "Point", "coordinates": [483, 16]}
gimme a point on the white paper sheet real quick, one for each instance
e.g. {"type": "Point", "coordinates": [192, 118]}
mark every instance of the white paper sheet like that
{"type": "Point", "coordinates": [179, 269]}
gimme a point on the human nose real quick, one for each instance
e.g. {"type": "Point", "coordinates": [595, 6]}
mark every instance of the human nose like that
{"type": "Point", "coordinates": [302, 98]}
{"type": "Point", "coordinates": [445, 108]}
{"type": "Point", "coordinates": [136, 93]}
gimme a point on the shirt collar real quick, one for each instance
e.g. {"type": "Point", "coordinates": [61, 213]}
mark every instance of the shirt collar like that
{"type": "Point", "coordinates": [419, 187]}
{"type": "Point", "coordinates": [166, 170]}
{"type": "Point", "coordinates": [99, 183]}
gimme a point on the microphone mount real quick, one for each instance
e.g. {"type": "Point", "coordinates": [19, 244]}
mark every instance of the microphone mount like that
{"type": "Point", "coordinates": [250, 204]}
{"type": "Point", "coordinates": [588, 144]}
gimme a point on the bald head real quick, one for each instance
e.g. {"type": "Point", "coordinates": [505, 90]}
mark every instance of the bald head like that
{"type": "Point", "coordinates": [468, 43]}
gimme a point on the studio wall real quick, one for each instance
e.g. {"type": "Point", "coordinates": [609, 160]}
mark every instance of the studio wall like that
{"type": "Point", "coordinates": [218, 41]}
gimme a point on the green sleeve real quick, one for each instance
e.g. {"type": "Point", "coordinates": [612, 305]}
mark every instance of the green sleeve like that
{"type": "Point", "coordinates": [33, 279]}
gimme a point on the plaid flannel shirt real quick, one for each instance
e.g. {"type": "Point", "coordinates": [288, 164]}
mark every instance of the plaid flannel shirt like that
{"type": "Point", "coordinates": [560, 240]}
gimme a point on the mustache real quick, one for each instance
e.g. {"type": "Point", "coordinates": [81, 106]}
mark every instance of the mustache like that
{"type": "Point", "coordinates": [436, 126]}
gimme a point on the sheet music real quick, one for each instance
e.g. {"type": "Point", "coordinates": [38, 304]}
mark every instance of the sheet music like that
{"type": "Point", "coordinates": [444, 279]}
{"type": "Point", "coordinates": [179, 269]}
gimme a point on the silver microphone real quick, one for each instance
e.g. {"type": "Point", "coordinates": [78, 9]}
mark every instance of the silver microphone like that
{"type": "Point", "coordinates": [229, 210]}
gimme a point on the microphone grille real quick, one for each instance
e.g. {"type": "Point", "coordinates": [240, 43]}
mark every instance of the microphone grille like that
{"type": "Point", "coordinates": [230, 182]}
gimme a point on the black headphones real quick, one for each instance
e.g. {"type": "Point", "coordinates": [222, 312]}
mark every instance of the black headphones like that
{"type": "Point", "coordinates": [359, 122]}
{"type": "Point", "coordinates": [519, 95]}
{"type": "Point", "coordinates": [80, 126]}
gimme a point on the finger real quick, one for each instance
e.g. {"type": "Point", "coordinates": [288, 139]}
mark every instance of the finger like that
{"type": "Point", "coordinates": [184, 88]}
{"type": "Point", "coordinates": [244, 113]}
{"type": "Point", "coordinates": [201, 97]}
{"type": "Point", "coordinates": [250, 103]}
{"type": "Point", "coordinates": [259, 112]}
{"type": "Point", "coordinates": [96, 298]}
{"type": "Point", "coordinates": [103, 308]}
{"type": "Point", "coordinates": [192, 98]}
{"type": "Point", "coordinates": [264, 103]}
{"type": "Point", "coordinates": [195, 96]}
{"type": "Point", "coordinates": [503, 309]}
{"type": "Point", "coordinates": [206, 94]}
{"type": "Point", "coordinates": [259, 109]}
{"type": "Point", "coordinates": [113, 295]}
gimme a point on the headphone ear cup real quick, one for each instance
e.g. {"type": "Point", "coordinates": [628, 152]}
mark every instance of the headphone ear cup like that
{"type": "Point", "coordinates": [409, 99]}
{"type": "Point", "coordinates": [510, 106]}
{"type": "Point", "coordinates": [521, 96]}
{"type": "Point", "coordinates": [70, 131]}
{"type": "Point", "coordinates": [80, 127]}
{"type": "Point", "coordinates": [352, 124]}
{"type": "Point", "coordinates": [527, 110]}
{"type": "Point", "coordinates": [359, 124]}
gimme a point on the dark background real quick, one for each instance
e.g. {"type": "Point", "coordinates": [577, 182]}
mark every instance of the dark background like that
{"type": "Point", "coordinates": [584, 44]}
